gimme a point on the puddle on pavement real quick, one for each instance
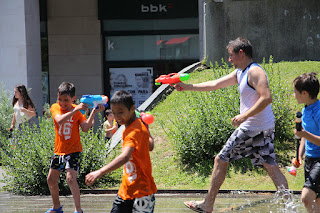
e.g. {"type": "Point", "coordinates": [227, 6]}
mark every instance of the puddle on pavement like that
{"type": "Point", "coordinates": [165, 203]}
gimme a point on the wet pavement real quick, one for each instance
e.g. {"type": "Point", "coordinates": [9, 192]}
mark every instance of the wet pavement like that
{"type": "Point", "coordinates": [165, 203]}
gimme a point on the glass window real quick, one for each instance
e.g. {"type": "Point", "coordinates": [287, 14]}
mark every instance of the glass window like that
{"type": "Point", "coordinates": [154, 24]}
{"type": "Point", "coordinates": [152, 47]}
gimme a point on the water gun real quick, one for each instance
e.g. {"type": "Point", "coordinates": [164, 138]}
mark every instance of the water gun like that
{"type": "Point", "coordinates": [146, 117]}
{"type": "Point", "coordinates": [94, 100]}
{"type": "Point", "coordinates": [172, 78]}
{"type": "Point", "coordinates": [292, 169]}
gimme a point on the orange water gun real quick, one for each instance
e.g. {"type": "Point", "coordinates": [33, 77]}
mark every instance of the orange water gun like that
{"type": "Point", "coordinates": [172, 78]}
{"type": "Point", "coordinates": [292, 169]}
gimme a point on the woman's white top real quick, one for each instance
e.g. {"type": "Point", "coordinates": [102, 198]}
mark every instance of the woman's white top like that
{"type": "Point", "coordinates": [20, 116]}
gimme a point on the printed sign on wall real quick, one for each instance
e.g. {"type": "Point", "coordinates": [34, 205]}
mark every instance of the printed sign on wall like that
{"type": "Point", "coordinates": [137, 80]}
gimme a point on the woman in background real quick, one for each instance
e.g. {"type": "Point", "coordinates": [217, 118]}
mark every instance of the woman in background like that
{"type": "Point", "coordinates": [23, 107]}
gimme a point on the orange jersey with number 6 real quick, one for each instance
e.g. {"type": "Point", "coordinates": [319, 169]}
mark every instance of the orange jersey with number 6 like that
{"type": "Point", "coordinates": [67, 135]}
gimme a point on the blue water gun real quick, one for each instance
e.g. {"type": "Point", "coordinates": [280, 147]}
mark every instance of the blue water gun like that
{"type": "Point", "coordinates": [93, 101]}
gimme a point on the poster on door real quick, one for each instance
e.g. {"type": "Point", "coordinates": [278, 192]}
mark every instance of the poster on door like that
{"type": "Point", "coordinates": [137, 80]}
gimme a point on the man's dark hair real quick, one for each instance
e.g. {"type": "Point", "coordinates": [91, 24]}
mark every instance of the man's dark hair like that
{"type": "Point", "coordinates": [122, 97]}
{"type": "Point", "coordinates": [307, 82]}
{"type": "Point", "coordinates": [67, 88]}
{"type": "Point", "coordinates": [241, 44]}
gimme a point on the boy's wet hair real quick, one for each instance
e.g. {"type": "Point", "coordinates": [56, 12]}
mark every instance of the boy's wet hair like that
{"type": "Point", "coordinates": [67, 88]}
{"type": "Point", "coordinates": [241, 44]}
{"type": "Point", "coordinates": [122, 97]}
{"type": "Point", "coordinates": [307, 82]}
{"type": "Point", "coordinates": [108, 112]}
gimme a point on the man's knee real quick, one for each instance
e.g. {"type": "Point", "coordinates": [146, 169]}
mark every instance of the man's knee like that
{"type": "Point", "coordinates": [219, 161]}
{"type": "Point", "coordinates": [271, 169]}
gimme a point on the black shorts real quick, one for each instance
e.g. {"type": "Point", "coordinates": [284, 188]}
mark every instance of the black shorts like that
{"type": "Point", "coordinates": [138, 205]}
{"type": "Point", "coordinates": [63, 162]}
{"type": "Point", "coordinates": [312, 174]}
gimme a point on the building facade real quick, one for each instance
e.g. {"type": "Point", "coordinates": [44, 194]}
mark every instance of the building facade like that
{"type": "Point", "coordinates": [102, 46]}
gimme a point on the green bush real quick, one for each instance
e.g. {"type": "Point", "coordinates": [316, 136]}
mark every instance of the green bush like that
{"type": "Point", "coordinates": [282, 110]}
{"type": "Point", "coordinates": [199, 123]}
{"type": "Point", "coordinates": [6, 111]}
{"type": "Point", "coordinates": [26, 157]}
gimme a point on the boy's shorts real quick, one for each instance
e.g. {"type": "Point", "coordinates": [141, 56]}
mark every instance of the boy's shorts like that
{"type": "Point", "coordinates": [245, 143]}
{"type": "Point", "coordinates": [312, 174]}
{"type": "Point", "coordinates": [138, 205]}
{"type": "Point", "coordinates": [63, 162]}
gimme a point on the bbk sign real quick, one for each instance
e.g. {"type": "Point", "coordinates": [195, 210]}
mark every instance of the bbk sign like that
{"type": "Point", "coordinates": [147, 9]}
{"type": "Point", "coordinates": [160, 8]}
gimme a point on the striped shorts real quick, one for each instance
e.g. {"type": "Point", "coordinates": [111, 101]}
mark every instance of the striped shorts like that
{"type": "Point", "coordinates": [258, 145]}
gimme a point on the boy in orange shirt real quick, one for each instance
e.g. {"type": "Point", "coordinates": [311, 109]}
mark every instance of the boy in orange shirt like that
{"type": "Point", "coordinates": [67, 152]}
{"type": "Point", "coordinates": [136, 193]}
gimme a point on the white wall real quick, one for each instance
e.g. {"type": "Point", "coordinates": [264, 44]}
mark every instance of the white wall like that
{"type": "Point", "coordinates": [20, 50]}
{"type": "Point", "coordinates": [13, 63]}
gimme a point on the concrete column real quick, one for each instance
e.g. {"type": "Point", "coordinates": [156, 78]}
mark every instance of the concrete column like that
{"type": "Point", "coordinates": [33, 52]}
{"type": "Point", "coordinates": [214, 32]}
{"type": "Point", "coordinates": [75, 46]}
{"type": "Point", "coordinates": [202, 30]}
{"type": "Point", "coordinates": [20, 47]}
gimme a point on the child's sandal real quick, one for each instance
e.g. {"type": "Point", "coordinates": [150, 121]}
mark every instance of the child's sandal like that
{"type": "Point", "coordinates": [59, 210]}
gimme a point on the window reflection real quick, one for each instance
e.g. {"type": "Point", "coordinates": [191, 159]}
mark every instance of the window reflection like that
{"type": "Point", "coordinates": [152, 47]}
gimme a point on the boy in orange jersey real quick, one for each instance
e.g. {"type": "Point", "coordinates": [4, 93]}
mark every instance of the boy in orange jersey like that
{"type": "Point", "coordinates": [136, 193]}
{"type": "Point", "coordinates": [67, 152]}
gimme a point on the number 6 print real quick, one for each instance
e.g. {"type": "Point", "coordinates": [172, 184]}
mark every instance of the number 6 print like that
{"type": "Point", "coordinates": [66, 130]}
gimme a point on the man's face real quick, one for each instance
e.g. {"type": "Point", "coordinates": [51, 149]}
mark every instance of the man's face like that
{"type": "Point", "coordinates": [65, 101]}
{"type": "Point", "coordinates": [234, 58]}
{"type": "Point", "coordinates": [122, 114]}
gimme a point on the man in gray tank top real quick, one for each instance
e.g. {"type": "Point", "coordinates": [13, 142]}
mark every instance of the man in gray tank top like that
{"type": "Point", "coordinates": [254, 134]}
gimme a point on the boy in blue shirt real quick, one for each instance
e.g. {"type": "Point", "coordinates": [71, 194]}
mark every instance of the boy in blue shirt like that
{"type": "Point", "coordinates": [306, 89]}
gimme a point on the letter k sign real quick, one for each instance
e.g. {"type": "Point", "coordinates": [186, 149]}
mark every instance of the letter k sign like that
{"type": "Point", "coordinates": [110, 45]}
